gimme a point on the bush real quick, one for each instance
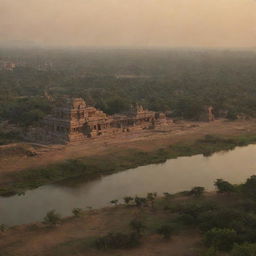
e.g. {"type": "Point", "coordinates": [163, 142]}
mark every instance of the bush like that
{"type": "Point", "coordinates": [209, 252]}
{"type": "Point", "coordinates": [224, 186]}
{"type": "Point", "coordinates": [128, 199]}
{"type": "Point", "coordinates": [248, 205]}
{"type": "Point", "coordinates": [187, 219]}
{"type": "Point", "coordinates": [197, 191]}
{"type": "Point", "coordinates": [231, 115]}
{"type": "Point", "coordinates": [245, 249]}
{"type": "Point", "coordinates": [220, 218]}
{"type": "Point", "coordinates": [221, 239]}
{"type": "Point", "coordinates": [151, 198]}
{"type": "Point", "coordinates": [3, 228]}
{"type": "Point", "coordinates": [249, 188]}
{"type": "Point", "coordinates": [52, 218]}
{"type": "Point", "coordinates": [167, 196]}
{"type": "Point", "coordinates": [8, 137]}
{"type": "Point", "coordinates": [114, 202]}
{"type": "Point", "coordinates": [140, 201]}
{"type": "Point", "coordinates": [117, 241]}
{"type": "Point", "coordinates": [190, 212]}
{"type": "Point", "coordinates": [77, 212]}
{"type": "Point", "coordinates": [165, 231]}
{"type": "Point", "coordinates": [137, 226]}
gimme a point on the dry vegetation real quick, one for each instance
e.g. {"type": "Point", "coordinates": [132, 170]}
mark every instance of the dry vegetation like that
{"type": "Point", "coordinates": [188, 218]}
{"type": "Point", "coordinates": [146, 140]}
{"type": "Point", "coordinates": [75, 236]}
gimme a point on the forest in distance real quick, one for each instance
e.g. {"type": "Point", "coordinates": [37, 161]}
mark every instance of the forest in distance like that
{"type": "Point", "coordinates": [182, 82]}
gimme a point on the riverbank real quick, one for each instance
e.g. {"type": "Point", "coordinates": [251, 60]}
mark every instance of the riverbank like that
{"type": "Point", "coordinates": [88, 168]}
{"type": "Point", "coordinates": [76, 235]}
{"type": "Point", "coordinates": [22, 156]}
{"type": "Point", "coordinates": [188, 223]}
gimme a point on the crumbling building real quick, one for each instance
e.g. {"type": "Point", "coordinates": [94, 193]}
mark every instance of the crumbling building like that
{"type": "Point", "coordinates": [73, 120]}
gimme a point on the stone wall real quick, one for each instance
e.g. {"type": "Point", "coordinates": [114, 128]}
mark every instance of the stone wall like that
{"type": "Point", "coordinates": [72, 120]}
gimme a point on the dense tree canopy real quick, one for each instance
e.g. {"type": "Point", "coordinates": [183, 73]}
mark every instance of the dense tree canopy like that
{"type": "Point", "coordinates": [184, 82]}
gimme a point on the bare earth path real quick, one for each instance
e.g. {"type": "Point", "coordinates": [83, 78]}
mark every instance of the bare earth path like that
{"type": "Point", "coordinates": [143, 140]}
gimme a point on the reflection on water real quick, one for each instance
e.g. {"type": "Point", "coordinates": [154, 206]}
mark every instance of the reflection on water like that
{"type": "Point", "coordinates": [173, 176]}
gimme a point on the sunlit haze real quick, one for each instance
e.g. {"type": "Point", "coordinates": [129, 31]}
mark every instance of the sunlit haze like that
{"type": "Point", "coordinates": [129, 23]}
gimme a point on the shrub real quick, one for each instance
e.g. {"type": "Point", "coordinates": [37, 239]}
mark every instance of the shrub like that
{"type": "Point", "coordinates": [117, 241]}
{"type": "Point", "coordinates": [52, 218]}
{"type": "Point", "coordinates": [114, 202]}
{"type": "Point", "coordinates": [221, 239]}
{"type": "Point", "coordinates": [220, 218]}
{"type": "Point", "coordinates": [187, 219]}
{"type": "Point", "coordinates": [224, 186]}
{"type": "Point", "coordinates": [249, 188]}
{"type": "Point", "coordinates": [245, 249]}
{"type": "Point", "coordinates": [137, 226]}
{"type": "Point", "coordinates": [3, 228]}
{"type": "Point", "coordinates": [231, 115]}
{"type": "Point", "coordinates": [190, 212]}
{"type": "Point", "coordinates": [209, 252]}
{"type": "Point", "coordinates": [128, 199]}
{"type": "Point", "coordinates": [77, 212]}
{"type": "Point", "coordinates": [197, 191]}
{"type": "Point", "coordinates": [151, 198]}
{"type": "Point", "coordinates": [167, 196]}
{"type": "Point", "coordinates": [165, 231]}
{"type": "Point", "coordinates": [247, 205]}
{"type": "Point", "coordinates": [140, 201]}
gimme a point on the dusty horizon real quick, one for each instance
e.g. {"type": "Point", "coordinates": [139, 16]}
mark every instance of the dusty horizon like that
{"type": "Point", "coordinates": [126, 24]}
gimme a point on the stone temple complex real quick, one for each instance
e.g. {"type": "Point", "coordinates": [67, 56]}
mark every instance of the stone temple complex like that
{"type": "Point", "coordinates": [73, 120]}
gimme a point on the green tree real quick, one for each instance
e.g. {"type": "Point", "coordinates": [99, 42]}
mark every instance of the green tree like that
{"type": "Point", "coordinates": [140, 201]}
{"type": "Point", "coordinates": [189, 107]}
{"type": "Point", "coordinates": [249, 187]}
{"type": "Point", "coordinates": [197, 191]}
{"type": "Point", "coordinates": [245, 249]}
{"type": "Point", "coordinates": [117, 105]}
{"type": "Point", "coordinates": [221, 239]}
{"type": "Point", "coordinates": [224, 186]}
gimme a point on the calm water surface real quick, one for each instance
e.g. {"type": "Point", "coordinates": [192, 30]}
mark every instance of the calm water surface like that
{"type": "Point", "coordinates": [172, 176]}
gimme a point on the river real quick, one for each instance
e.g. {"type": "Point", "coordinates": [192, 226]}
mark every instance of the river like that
{"type": "Point", "coordinates": [172, 176]}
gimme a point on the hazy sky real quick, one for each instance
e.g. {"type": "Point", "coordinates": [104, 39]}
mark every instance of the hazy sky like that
{"type": "Point", "coordinates": [125, 23]}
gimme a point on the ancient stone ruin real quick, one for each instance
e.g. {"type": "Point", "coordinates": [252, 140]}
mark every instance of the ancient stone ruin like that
{"type": "Point", "coordinates": [211, 116]}
{"type": "Point", "coordinates": [73, 120]}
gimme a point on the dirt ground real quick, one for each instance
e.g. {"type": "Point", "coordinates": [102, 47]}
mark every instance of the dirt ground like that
{"type": "Point", "coordinates": [12, 159]}
{"type": "Point", "coordinates": [68, 238]}
{"type": "Point", "coordinates": [36, 239]}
